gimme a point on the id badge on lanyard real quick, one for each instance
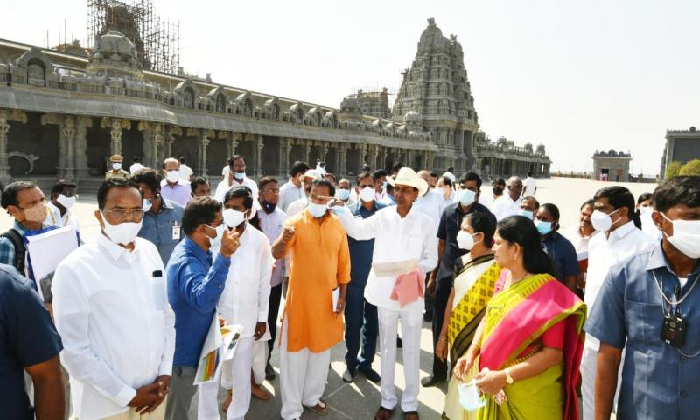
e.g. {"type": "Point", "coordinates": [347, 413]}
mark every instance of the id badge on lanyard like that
{"type": "Point", "coordinates": [176, 231]}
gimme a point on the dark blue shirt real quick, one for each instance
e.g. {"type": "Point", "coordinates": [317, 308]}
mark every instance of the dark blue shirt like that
{"type": "Point", "coordinates": [158, 228]}
{"type": "Point", "coordinates": [27, 337]}
{"type": "Point", "coordinates": [563, 254]}
{"type": "Point", "coordinates": [449, 227]}
{"type": "Point", "coordinates": [194, 288]}
{"type": "Point", "coordinates": [659, 381]}
{"type": "Point", "coordinates": [361, 251]}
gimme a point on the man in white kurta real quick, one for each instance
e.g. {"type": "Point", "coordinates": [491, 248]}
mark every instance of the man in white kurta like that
{"type": "Point", "coordinates": [111, 310]}
{"type": "Point", "coordinates": [400, 233]}
{"type": "Point", "coordinates": [244, 302]}
{"type": "Point", "coordinates": [618, 240]}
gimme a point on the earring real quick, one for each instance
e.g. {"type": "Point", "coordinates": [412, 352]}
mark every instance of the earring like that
{"type": "Point", "coordinates": [515, 257]}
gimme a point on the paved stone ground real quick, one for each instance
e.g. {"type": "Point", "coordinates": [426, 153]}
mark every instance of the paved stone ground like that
{"type": "Point", "coordinates": [360, 399]}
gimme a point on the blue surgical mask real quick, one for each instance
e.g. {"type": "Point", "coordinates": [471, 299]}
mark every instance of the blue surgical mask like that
{"type": "Point", "coordinates": [317, 210]}
{"type": "Point", "coordinates": [466, 197]}
{"type": "Point", "coordinates": [526, 213]}
{"type": "Point", "coordinates": [343, 194]}
{"type": "Point", "coordinates": [543, 227]}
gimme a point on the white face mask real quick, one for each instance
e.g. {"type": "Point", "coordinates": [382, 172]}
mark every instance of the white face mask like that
{"type": "Point", "coordinates": [686, 236]}
{"type": "Point", "coordinates": [66, 202]}
{"type": "Point", "coordinates": [317, 210]}
{"type": "Point", "coordinates": [646, 211]}
{"type": "Point", "coordinates": [116, 166]}
{"type": "Point", "coordinates": [465, 240]}
{"type": "Point", "coordinates": [367, 194]}
{"type": "Point", "coordinates": [602, 222]}
{"type": "Point", "coordinates": [239, 175]}
{"type": "Point", "coordinates": [466, 197]}
{"type": "Point", "coordinates": [215, 242]}
{"type": "Point", "coordinates": [124, 233]}
{"type": "Point", "coordinates": [233, 218]}
{"type": "Point", "coordinates": [172, 176]}
{"type": "Point", "coordinates": [343, 194]}
{"type": "Point", "coordinates": [147, 205]}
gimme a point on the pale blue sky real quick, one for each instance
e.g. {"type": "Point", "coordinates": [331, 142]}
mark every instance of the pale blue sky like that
{"type": "Point", "coordinates": [574, 75]}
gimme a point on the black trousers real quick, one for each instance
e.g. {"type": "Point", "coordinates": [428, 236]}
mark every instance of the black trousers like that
{"type": "Point", "coordinates": [442, 295]}
{"type": "Point", "coordinates": [275, 299]}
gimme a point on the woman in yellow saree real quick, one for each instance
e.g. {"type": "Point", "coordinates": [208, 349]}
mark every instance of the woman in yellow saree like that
{"type": "Point", "coordinates": [475, 276]}
{"type": "Point", "coordinates": [528, 345]}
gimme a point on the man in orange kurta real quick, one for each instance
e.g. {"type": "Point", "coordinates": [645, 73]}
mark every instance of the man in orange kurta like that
{"type": "Point", "coordinates": [312, 325]}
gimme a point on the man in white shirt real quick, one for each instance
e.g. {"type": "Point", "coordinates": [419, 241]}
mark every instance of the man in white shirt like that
{"type": "Point", "coordinates": [617, 240]}
{"type": "Point", "coordinates": [237, 178]}
{"type": "Point", "coordinates": [272, 220]}
{"type": "Point", "coordinates": [344, 192]}
{"type": "Point", "coordinates": [172, 187]}
{"type": "Point", "coordinates": [580, 235]}
{"type": "Point", "coordinates": [509, 203]}
{"type": "Point", "coordinates": [135, 166]}
{"type": "Point", "coordinates": [400, 233]}
{"type": "Point", "coordinates": [299, 205]}
{"type": "Point", "coordinates": [63, 196]}
{"type": "Point", "coordinates": [244, 302]}
{"type": "Point", "coordinates": [432, 202]}
{"type": "Point", "coordinates": [185, 171]}
{"type": "Point", "coordinates": [293, 190]}
{"type": "Point", "coordinates": [529, 185]}
{"type": "Point", "coordinates": [112, 313]}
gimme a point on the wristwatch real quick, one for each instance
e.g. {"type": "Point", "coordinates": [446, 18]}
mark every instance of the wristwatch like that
{"type": "Point", "coordinates": [509, 379]}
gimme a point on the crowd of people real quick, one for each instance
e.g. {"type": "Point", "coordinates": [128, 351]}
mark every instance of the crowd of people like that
{"type": "Point", "coordinates": [528, 318]}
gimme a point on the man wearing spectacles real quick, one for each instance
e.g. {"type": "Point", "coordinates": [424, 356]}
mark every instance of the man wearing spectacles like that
{"type": "Point", "coordinates": [236, 177]}
{"type": "Point", "coordinates": [112, 313]}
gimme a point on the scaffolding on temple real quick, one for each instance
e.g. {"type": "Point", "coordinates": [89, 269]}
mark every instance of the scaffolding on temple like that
{"type": "Point", "coordinates": [157, 41]}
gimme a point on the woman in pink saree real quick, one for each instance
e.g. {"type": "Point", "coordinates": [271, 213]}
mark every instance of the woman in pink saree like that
{"type": "Point", "coordinates": [527, 349]}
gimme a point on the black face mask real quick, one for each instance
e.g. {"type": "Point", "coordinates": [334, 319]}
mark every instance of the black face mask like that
{"type": "Point", "coordinates": [497, 190]}
{"type": "Point", "coordinates": [268, 207]}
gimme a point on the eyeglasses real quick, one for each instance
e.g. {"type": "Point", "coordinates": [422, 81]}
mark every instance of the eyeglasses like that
{"type": "Point", "coordinates": [271, 190]}
{"type": "Point", "coordinates": [121, 214]}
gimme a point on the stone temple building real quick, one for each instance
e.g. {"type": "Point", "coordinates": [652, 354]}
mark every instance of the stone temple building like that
{"type": "Point", "coordinates": [611, 166]}
{"type": "Point", "coordinates": [681, 146]}
{"type": "Point", "coordinates": [63, 114]}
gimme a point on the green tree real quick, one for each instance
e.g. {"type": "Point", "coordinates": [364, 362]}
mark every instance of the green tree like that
{"type": "Point", "coordinates": [691, 168]}
{"type": "Point", "coordinates": [673, 169]}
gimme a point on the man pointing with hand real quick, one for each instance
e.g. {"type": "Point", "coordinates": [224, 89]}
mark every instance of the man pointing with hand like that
{"type": "Point", "coordinates": [196, 280]}
{"type": "Point", "coordinates": [312, 322]}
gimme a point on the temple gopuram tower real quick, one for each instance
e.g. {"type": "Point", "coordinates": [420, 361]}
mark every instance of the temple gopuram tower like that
{"type": "Point", "coordinates": [437, 89]}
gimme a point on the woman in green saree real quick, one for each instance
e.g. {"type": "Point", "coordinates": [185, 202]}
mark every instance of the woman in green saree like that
{"type": "Point", "coordinates": [528, 346]}
{"type": "Point", "coordinates": [476, 274]}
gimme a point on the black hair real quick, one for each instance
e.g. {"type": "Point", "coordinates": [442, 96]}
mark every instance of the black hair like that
{"type": "Point", "coordinates": [240, 192]}
{"type": "Point", "coordinates": [116, 182]}
{"type": "Point", "coordinates": [197, 182]}
{"type": "Point", "coordinates": [447, 180]}
{"type": "Point", "coordinates": [529, 173]}
{"type": "Point", "coordinates": [451, 169]}
{"type": "Point", "coordinates": [299, 167]}
{"type": "Point", "coordinates": [266, 180]}
{"type": "Point", "coordinates": [199, 211]}
{"type": "Point", "coordinates": [471, 176]}
{"type": "Point", "coordinates": [499, 181]}
{"type": "Point", "coordinates": [553, 211]}
{"type": "Point", "coordinates": [433, 174]}
{"type": "Point", "coordinates": [149, 177]}
{"type": "Point", "coordinates": [620, 197]}
{"type": "Point", "coordinates": [324, 183]}
{"type": "Point", "coordinates": [531, 198]}
{"type": "Point", "coordinates": [9, 193]}
{"type": "Point", "coordinates": [366, 168]}
{"type": "Point", "coordinates": [677, 190]}
{"type": "Point", "coordinates": [484, 223]}
{"type": "Point", "coordinates": [380, 173]}
{"type": "Point", "coordinates": [364, 175]}
{"type": "Point", "coordinates": [61, 186]}
{"type": "Point", "coordinates": [644, 197]}
{"type": "Point", "coordinates": [135, 159]}
{"type": "Point", "coordinates": [183, 160]}
{"type": "Point", "coordinates": [233, 160]}
{"type": "Point", "coordinates": [590, 202]}
{"type": "Point", "coordinates": [522, 231]}
{"type": "Point", "coordinates": [397, 167]}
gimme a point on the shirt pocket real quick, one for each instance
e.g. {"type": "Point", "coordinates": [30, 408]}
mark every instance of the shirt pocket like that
{"type": "Point", "coordinates": [158, 292]}
{"type": "Point", "coordinates": [643, 322]}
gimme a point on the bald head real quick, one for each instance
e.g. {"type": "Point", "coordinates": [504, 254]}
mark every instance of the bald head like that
{"type": "Point", "coordinates": [515, 187]}
{"type": "Point", "coordinates": [171, 164]}
{"type": "Point", "coordinates": [425, 175]}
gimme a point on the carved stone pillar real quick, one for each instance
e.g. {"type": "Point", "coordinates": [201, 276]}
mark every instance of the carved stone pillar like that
{"type": "Point", "coordinates": [116, 126]}
{"type": "Point", "coordinates": [4, 140]}
{"type": "Point", "coordinates": [170, 134]}
{"type": "Point", "coordinates": [431, 160]}
{"type": "Point", "coordinates": [152, 138]}
{"type": "Point", "coordinates": [373, 155]}
{"type": "Point", "coordinates": [285, 147]}
{"type": "Point", "coordinates": [258, 156]}
{"type": "Point", "coordinates": [236, 139]}
{"type": "Point", "coordinates": [66, 132]}
{"type": "Point", "coordinates": [203, 143]}
{"type": "Point", "coordinates": [81, 167]}
{"type": "Point", "coordinates": [343, 159]}
{"type": "Point", "coordinates": [362, 147]}
{"type": "Point", "coordinates": [307, 151]}
{"type": "Point", "coordinates": [322, 150]}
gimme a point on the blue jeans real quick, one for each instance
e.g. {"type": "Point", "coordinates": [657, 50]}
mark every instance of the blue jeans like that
{"type": "Point", "coordinates": [359, 315]}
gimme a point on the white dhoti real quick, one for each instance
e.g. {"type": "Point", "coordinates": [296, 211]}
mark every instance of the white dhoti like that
{"type": "Point", "coordinates": [303, 377]}
{"type": "Point", "coordinates": [589, 368]}
{"type": "Point", "coordinates": [411, 324]}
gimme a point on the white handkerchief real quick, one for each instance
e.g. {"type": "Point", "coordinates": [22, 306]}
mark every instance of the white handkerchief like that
{"type": "Point", "coordinates": [335, 294]}
{"type": "Point", "coordinates": [394, 268]}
